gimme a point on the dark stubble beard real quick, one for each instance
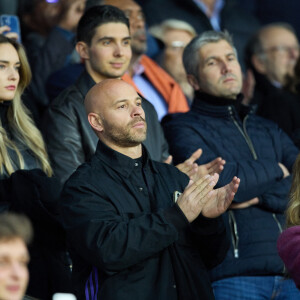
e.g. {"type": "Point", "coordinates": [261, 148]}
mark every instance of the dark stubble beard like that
{"type": "Point", "coordinates": [124, 137]}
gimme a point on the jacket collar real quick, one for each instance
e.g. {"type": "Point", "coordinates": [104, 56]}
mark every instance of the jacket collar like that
{"type": "Point", "coordinates": [84, 83]}
{"type": "Point", "coordinates": [216, 106]}
{"type": "Point", "coordinates": [120, 162]}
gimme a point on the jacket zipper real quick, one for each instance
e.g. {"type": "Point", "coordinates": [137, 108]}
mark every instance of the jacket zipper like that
{"type": "Point", "coordinates": [231, 215]}
{"type": "Point", "coordinates": [243, 132]}
{"type": "Point", "coordinates": [234, 234]}
{"type": "Point", "coordinates": [280, 230]}
{"type": "Point", "coordinates": [277, 222]}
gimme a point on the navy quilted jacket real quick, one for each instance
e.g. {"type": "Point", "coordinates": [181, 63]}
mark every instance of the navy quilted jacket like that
{"type": "Point", "coordinates": [252, 148]}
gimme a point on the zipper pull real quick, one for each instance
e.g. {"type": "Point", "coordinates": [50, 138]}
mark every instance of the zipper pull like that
{"type": "Point", "coordinates": [236, 253]}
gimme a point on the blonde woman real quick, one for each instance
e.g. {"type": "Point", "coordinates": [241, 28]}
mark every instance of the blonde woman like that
{"type": "Point", "coordinates": [289, 241]}
{"type": "Point", "coordinates": [26, 184]}
{"type": "Point", "coordinates": [21, 143]}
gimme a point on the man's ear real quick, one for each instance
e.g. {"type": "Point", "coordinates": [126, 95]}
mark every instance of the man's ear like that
{"type": "Point", "coordinates": [259, 64]}
{"type": "Point", "coordinates": [95, 122]}
{"type": "Point", "coordinates": [82, 49]}
{"type": "Point", "coordinates": [193, 82]}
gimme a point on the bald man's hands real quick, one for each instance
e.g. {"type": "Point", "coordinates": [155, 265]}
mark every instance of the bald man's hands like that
{"type": "Point", "coordinates": [199, 197]}
{"type": "Point", "coordinates": [221, 199]}
{"type": "Point", "coordinates": [195, 171]}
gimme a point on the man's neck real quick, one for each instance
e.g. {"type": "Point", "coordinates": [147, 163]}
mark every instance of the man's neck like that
{"type": "Point", "coordinates": [132, 152]}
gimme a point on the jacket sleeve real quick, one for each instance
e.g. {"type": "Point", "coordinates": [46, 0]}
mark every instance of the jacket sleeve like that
{"type": "Point", "coordinates": [256, 175]}
{"type": "Point", "coordinates": [276, 198]}
{"type": "Point", "coordinates": [211, 239]}
{"type": "Point", "coordinates": [64, 141]}
{"type": "Point", "coordinates": [289, 150]}
{"type": "Point", "coordinates": [109, 240]}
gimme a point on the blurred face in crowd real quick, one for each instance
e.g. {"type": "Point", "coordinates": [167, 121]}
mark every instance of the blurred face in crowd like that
{"type": "Point", "coordinates": [175, 41]}
{"type": "Point", "coordinates": [281, 51]}
{"type": "Point", "coordinates": [137, 23]}
{"type": "Point", "coordinates": [219, 71]}
{"type": "Point", "coordinates": [14, 275]}
{"type": "Point", "coordinates": [9, 71]}
{"type": "Point", "coordinates": [109, 54]}
{"type": "Point", "coordinates": [119, 116]}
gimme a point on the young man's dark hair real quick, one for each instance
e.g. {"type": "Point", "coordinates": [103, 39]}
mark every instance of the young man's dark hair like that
{"type": "Point", "coordinates": [96, 16]}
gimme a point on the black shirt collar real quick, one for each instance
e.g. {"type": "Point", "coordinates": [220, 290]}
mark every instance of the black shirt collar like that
{"type": "Point", "coordinates": [120, 162]}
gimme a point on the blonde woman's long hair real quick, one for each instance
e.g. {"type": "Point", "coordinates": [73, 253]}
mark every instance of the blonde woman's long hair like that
{"type": "Point", "coordinates": [21, 123]}
{"type": "Point", "coordinates": [293, 210]}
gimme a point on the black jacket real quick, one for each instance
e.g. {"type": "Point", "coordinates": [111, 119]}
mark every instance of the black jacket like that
{"type": "Point", "coordinates": [252, 147]}
{"type": "Point", "coordinates": [129, 240]}
{"type": "Point", "coordinates": [70, 138]}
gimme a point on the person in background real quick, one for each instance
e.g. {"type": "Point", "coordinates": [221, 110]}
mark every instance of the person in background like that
{"type": "Point", "coordinates": [15, 235]}
{"type": "Point", "coordinates": [288, 243]}
{"type": "Point", "coordinates": [175, 34]}
{"type": "Point", "coordinates": [206, 15]}
{"type": "Point", "coordinates": [144, 74]}
{"type": "Point", "coordinates": [49, 39]}
{"type": "Point", "coordinates": [26, 185]}
{"type": "Point", "coordinates": [22, 145]}
{"type": "Point", "coordinates": [255, 150]}
{"type": "Point", "coordinates": [271, 54]}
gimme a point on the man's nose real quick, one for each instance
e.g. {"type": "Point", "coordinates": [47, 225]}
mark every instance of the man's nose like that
{"type": "Point", "coordinates": [118, 51]}
{"type": "Point", "coordinates": [137, 111]}
{"type": "Point", "coordinates": [225, 67]}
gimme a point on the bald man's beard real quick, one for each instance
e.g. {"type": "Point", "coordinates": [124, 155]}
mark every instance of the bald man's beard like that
{"type": "Point", "coordinates": [126, 136]}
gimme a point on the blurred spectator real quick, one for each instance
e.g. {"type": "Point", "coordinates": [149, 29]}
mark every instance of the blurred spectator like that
{"type": "Point", "coordinates": [25, 182]}
{"type": "Point", "coordinates": [150, 79]}
{"type": "Point", "coordinates": [15, 234]}
{"type": "Point", "coordinates": [269, 11]}
{"type": "Point", "coordinates": [175, 34]}
{"type": "Point", "coordinates": [289, 241]}
{"type": "Point", "coordinates": [272, 54]}
{"type": "Point", "coordinates": [292, 82]}
{"type": "Point", "coordinates": [49, 41]}
{"type": "Point", "coordinates": [206, 15]}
